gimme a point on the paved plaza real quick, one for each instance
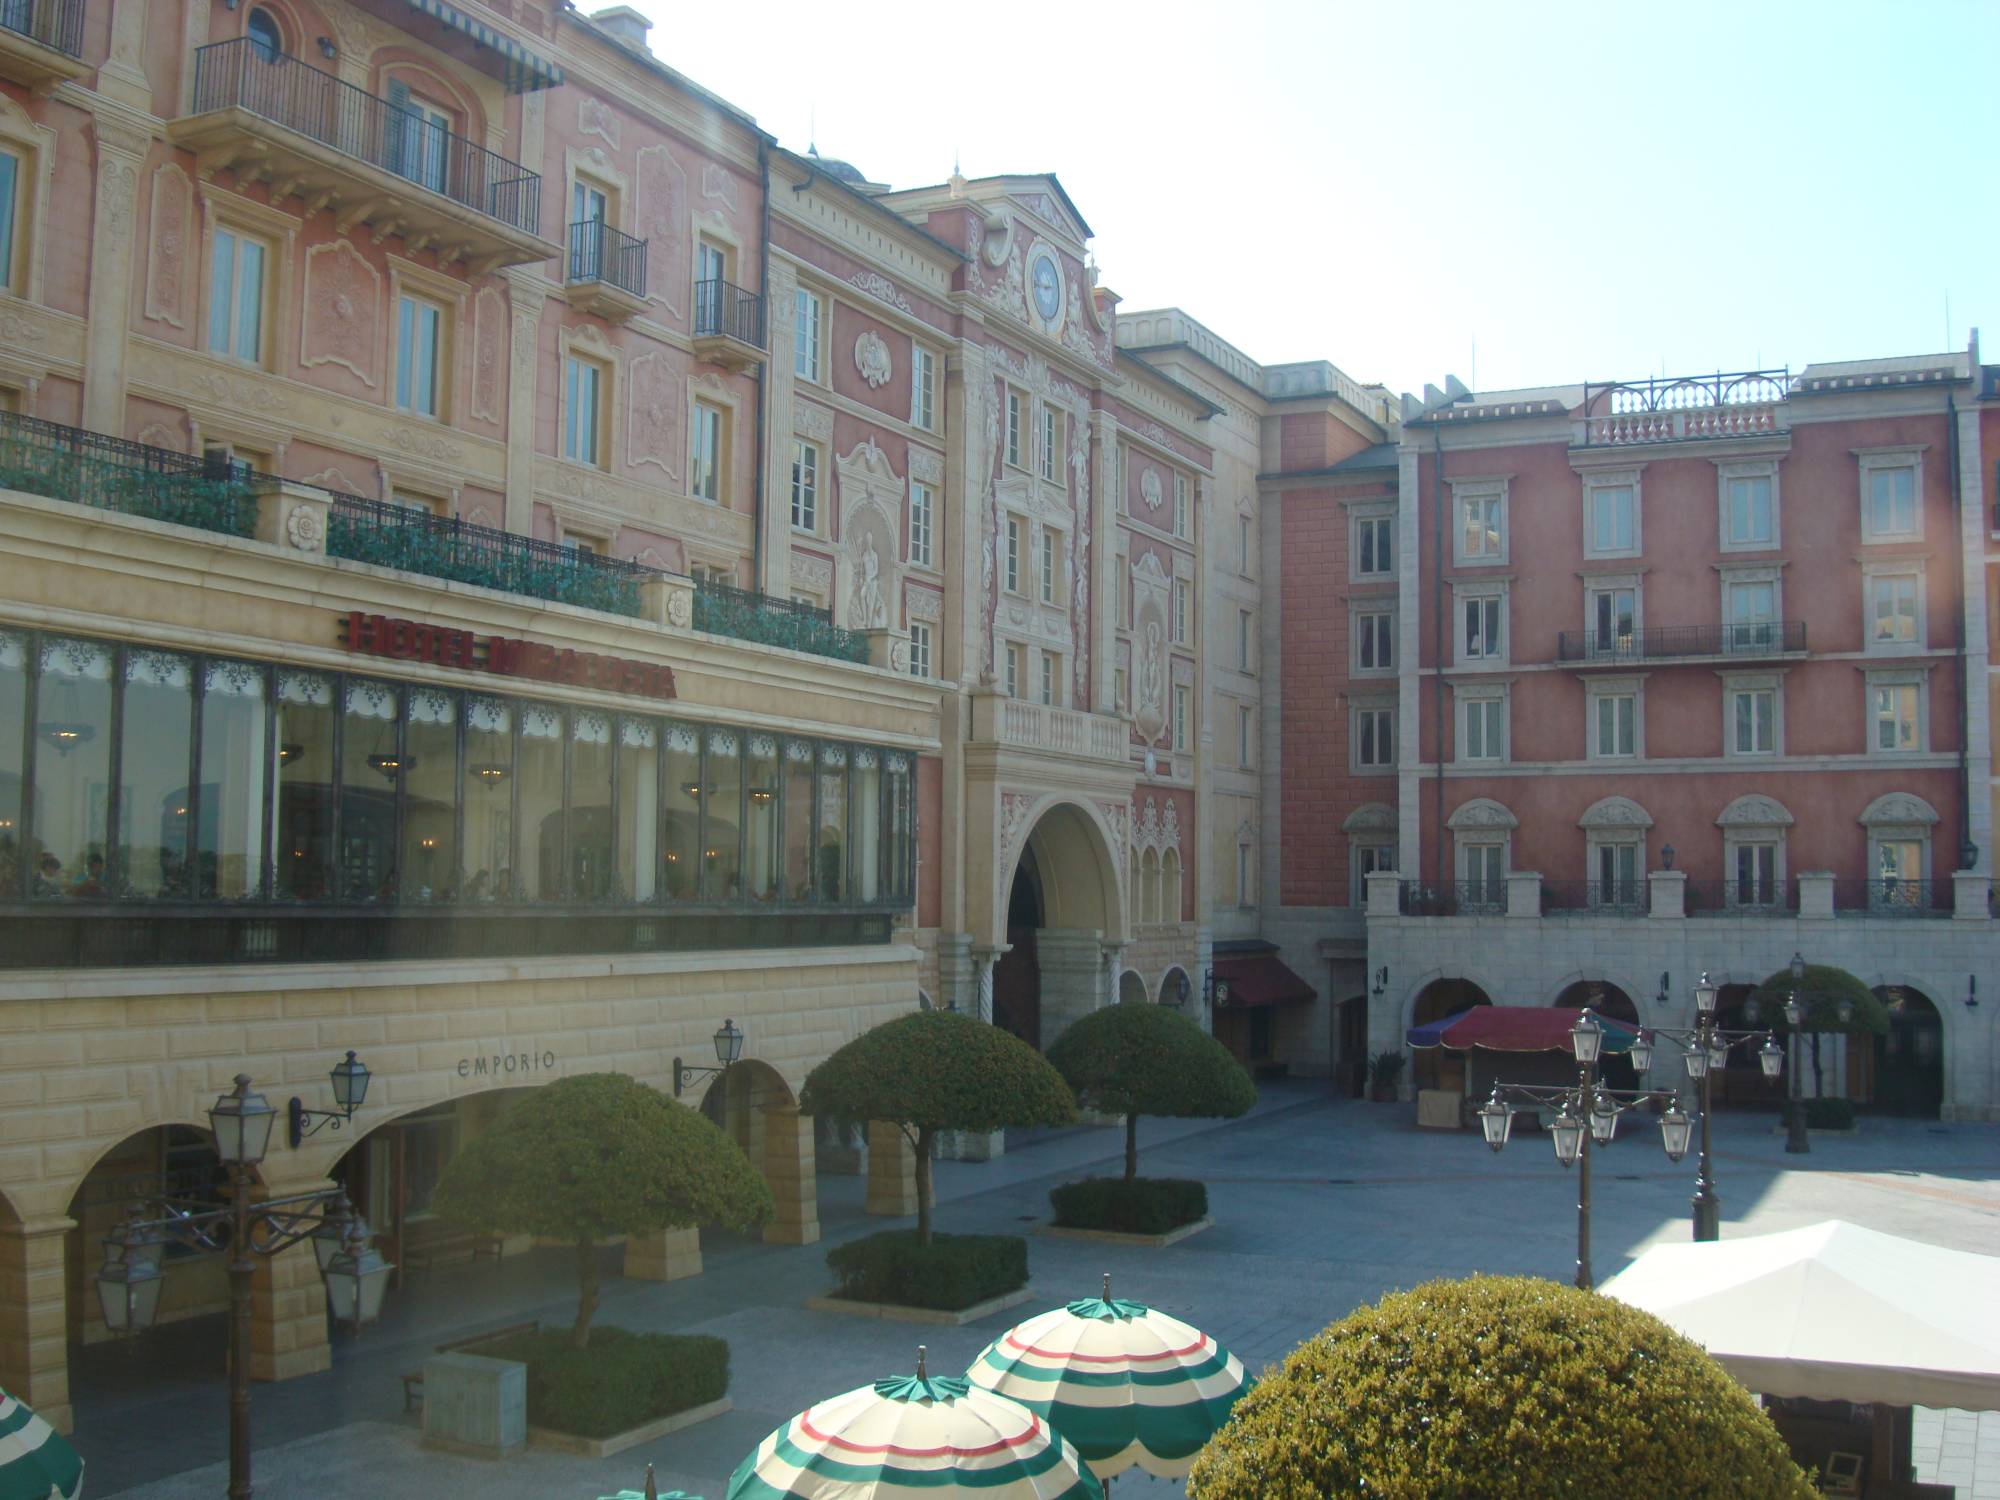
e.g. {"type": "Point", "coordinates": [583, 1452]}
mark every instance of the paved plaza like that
{"type": "Point", "coordinates": [1319, 1205]}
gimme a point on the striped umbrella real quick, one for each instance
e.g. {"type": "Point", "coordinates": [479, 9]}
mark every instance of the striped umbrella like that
{"type": "Point", "coordinates": [651, 1492]}
{"type": "Point", "coordinates": [35, 1464]}
{"type": "Point", "coordinates": [1126, 1383]}
{"type": "Point", "coordinates": [923, 1437]}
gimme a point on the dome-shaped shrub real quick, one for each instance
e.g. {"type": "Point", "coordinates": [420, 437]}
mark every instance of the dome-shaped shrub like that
{"type": "Point", "coordinates": [1497, 1388]}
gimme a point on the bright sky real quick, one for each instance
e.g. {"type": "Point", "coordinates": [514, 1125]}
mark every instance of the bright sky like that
{"type": "Point", "coordinates": [1583, 191]}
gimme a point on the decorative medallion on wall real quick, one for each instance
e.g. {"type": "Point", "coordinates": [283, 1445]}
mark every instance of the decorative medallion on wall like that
{"type": "Point", "coordinates": [680, 608]}
{"type": "Point", "coordinates": [304, 530]}
{"type": "Point", "coordinates": [871, 358]}
{"type": "Point", "coordinates": [594, 117]}
{"type": "Point", "coordinates": [1149, 488]}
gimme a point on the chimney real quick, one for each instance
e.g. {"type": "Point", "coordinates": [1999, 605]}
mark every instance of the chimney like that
{"type": "Point", "coordinates": [625, 26]}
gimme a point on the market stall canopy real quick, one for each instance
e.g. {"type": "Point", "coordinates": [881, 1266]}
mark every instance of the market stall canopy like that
{"type": "Point", "coordinates": [1517, 1028]}
{"type": "Point", "coordinates": [1259, 979]}
{"type": "Point", "coordinates": [1833, 1312]}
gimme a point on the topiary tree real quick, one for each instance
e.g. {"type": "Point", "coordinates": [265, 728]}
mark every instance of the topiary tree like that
{"type": "Point", "coordinates": [594, 1156]}
{"type": "Point", "coordinates": [1497, 1388]}
{"type": "Point", "coordinates": [935, 1070]}
{"type": "Point", "coordinates": [1143, 1059]}
{"type": "Point", "coordinates": [1822, 992]}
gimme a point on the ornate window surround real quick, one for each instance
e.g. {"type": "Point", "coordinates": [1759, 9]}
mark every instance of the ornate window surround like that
{"type": "Point", "coordinates": [1869, 461]}
{"type": "Point", "coordinates": [1917, 676]}
{"type": "Point", "coordinates": [1613, 479]}
{"type": "Point", "coordinates": [1753, 819]}
{"type": "Point", "coordinates": [1633, 687]}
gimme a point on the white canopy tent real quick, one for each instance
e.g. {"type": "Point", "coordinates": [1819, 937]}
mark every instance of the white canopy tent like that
{"type": "Point", "coordinates": [1833, 1312]}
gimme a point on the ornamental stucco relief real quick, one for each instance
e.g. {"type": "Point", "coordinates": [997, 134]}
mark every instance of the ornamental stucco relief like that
{"type": "Point", "coordinates": [653, 415]}
{"type": "Point", "coordinates": [338, 325]}
{"type": "Point", "coordinates": [661, 196]}
{"type": "Point", "coordinates": [882, 289]}
{"type": "Point", "coordinates": [871, 359]}
{"type": "Point", "coordinates": [488, 318]}
{"type": "Point", "coordinates": [166, 267]}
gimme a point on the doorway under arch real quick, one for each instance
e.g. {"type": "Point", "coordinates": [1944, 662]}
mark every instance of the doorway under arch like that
{"type": "Point", "coordinates": [1171, 984]}
{"type": "Point", "coordinates": [1435, 1067]}
{"type": "Point", "coordinates": [1017, 977]}
{"type": "Point", "coordinates": [1131, 988]}
{"type": "Point", "coordinates": [1742, 1084]}
{"type": "Point", "coordinates": [1603, 998]}
{"type": "Point", "coordinates": [1062, 905]}
{"type": "Point", "coordinates": [1908, 1063]}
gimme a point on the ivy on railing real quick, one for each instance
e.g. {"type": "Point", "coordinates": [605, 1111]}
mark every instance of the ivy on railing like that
{"type": "Point", "coordinates": [107, 473]}
{"type": "Point", "coordinates": [747, 616]}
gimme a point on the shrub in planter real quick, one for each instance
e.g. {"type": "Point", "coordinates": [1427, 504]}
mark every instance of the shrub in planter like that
{"type": "Point", "coordinates": [1385, 1069]}
{"type": "Point", "coordinates": [1146, 1205]}
{"type": "Point", "coordinates": [1829, 1114]}
{"type": "Point", "coordinates": [1497, 1388]}
{"type": "Point", "coordinates": [949, 1272]}
{"type": "Point", "coordinates": [623, 1380]}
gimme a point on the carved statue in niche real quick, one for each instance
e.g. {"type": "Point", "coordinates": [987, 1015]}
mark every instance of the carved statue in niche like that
{"type": "Point", "coordinates": [869, 611]}
{"type": "Point", "coordinates": [1152, 672]}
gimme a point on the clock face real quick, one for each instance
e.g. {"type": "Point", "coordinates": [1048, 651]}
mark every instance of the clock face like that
{"type": "Point", "coordinates": [1046, 284]}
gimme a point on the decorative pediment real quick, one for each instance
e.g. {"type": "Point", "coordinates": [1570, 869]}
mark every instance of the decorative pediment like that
{"type": "Point", "coordinates": [1371, 817]}
{"type": "Point", "coordinates": [1615, 812]}
{"type": "Point", "coordinates": [1754, 812]}
{"type": "Point", "coordinates": [1156, 830]}
{"type": "Point", "coordinates": [868, 462]}
{"type": "Point", "coordinates": [1899, 808]}
{"type": "Point", "coordinates": [1482, 812]}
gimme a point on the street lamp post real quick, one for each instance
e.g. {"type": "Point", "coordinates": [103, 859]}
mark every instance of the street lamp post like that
{"type": "Point", "coordinates": [1796, 1140]}
{"type": "Point", "coordinates": [728, 1047]}
{"type": "Point", "coordinates": [128, 1285]}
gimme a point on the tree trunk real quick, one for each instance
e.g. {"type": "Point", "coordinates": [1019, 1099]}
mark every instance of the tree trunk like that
{"type": "Point", "coordinates": [1132, 1148]}
{"type": "Point", "coordinates": [925, 1138]}
{"type": "Point", "coordinates": [586, 1301]}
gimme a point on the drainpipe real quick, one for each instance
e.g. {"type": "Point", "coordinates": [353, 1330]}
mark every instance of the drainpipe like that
{"type": "Point", "coordinates": [1958, 656]}
{"type": "Point", "coordinates": [757, 464]}
{"type": "Point", "coordinates": [1437, 626]}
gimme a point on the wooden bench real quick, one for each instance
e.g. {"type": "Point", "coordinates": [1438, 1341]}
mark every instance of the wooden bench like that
{"type": "Point", "coordinates": [429, 1241]}
{"type": "Point", "coordinates": [413, 1385]}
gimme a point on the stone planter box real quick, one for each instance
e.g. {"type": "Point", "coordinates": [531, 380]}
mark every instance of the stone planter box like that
{"type": "Point", "coordinates": [1118, 1237]}
{"type": "Point", "coordinates": [937, 1317]}
{"type": "Point", "coordinates": [475, 1405]}
{"type": "Point", "coordinates": [618, 1442]}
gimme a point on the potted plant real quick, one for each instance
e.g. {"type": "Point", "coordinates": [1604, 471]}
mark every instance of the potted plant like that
{"type": "Point", "coordinates": [1385, 1071]}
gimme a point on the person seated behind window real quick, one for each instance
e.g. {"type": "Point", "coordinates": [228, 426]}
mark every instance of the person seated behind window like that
{"type": "Point", "coordinates": [89, 886]}
{"type": "Point", "coordinates": [48, 875]}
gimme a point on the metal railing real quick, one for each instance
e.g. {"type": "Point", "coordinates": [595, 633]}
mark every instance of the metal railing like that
{"type": "Point", "coordinates": [1882, 896]}
{"type": "Point", "coordinates": [721, 307]}
{"type": "Point", "coordinates": [745, 615]}
{"type": "Point", "coordinates": [597, 252]}
{"type": "Point", "coordinates": [243, 74]}
{"type": "Point", "coordinates": [109, 473]}
{"type": "Point", "coordinates": [1739, 898]}
{"type": "Point", "coordinates": [1681, 408]}
{"type": "Point", "coordinates": [1595, 898]}
{"type": "Point", "coordinates": [53, 23]}
{"type": "Point", "coordinates": [1452, 898]}
{"type": "Point", "coordinates": [1665, 642]}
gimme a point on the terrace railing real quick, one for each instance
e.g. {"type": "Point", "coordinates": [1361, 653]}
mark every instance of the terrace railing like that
{"type": "Point", "coordinates": [135, 479]}
{"type": "Point", "coordinates": [53, 23]}
{"type": "Point", "coordinates": [746, 615]}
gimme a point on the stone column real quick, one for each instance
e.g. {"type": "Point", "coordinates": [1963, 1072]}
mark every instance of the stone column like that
{"type": "Point", "coordinates": [892, 1171]}
{"type": "Point", "coordinates": [34, 1338]}
{"type": "Point", "coordinates": [1204, 963]}
{"type": "Point", "coordinates": [983, 960]}
{"type": "Point", "coordinates": [958, 980]}
{"type": "Point", "coordinates": [122, 76]}
{"type": "Point", "coordinates": [663, 1255]}
{"type": "Point", "coordinates": [1071, 961]}
{"type": "Point", "coordinates": [288, 1319]}
{"type": "Point", "coordinates": [788, 1168]}
{"type": "Point", "coordinates": [526, 292]}
{"type": "Point", "coordinates": [1104, 586]}
{"type": "Point", "coordinates": [1666, 893]}
{"type": "Point", "coordinates": [1816, 894]}
{"type": "Point", "coordinates": [780, 287]}
{"type": "Point", "coordinates": [122, 141]}
{"type": "Point", "coordinates": [1114, 954]}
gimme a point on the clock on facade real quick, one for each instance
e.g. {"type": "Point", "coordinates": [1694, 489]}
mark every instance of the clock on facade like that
{"type": "Point", "coordinates": [1045, 285]}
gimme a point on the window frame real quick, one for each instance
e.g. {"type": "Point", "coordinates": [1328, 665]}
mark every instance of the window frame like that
{"type": "Point", "coordinates": [1482, 696]}
{"type": "Point", "coordinates": [1014, 660]}
{"type": "Point", "coordinates": [1382, 713]}
{"type": "Point", "coordinates": [806, 467]}
{"type": "Point", "coordinates": [1384, 517]}
{"type": "Point", "coordinates": [1596, 585]}
{"type": "Point", "coordinates": [1874, 573]}
{"type": "Point", "coordinates": [1481, 593]}
{"type": "Point", "coordinates": [1735, 683]}
{"type": "Point", "coordinates": [923, 388]}
{"type": "Point", "coordinates": [1013, 406]}
{"type": "Point", "coordinates": [1364, 859]}
{"type": "Point", "coordinates": [923, 524]}
{"type": "Point", "coordinates": [1465, 492]}
{"type": "Point", "coordinates": [1915, 680]}
{"type": "Point", "coordinates": [1728, 473]}
{"type": "Point", "coordinates": [1873, 461]}
{"type": "Point", "coordinates": [1246, 641]}
{"type": "Point", "coordinates": [1183, 507]}
{"type": "Point", "coordinates": [1614, 688]}
{"type": "Point", "coordinates": [440, 359]}
{"type": "Point", "coordinates": [1246, 737]}
{"type": "Point", "coordinates": [808, 335]}
{"type": "Point", "coordinates": [920, 648]}
{"type": "Point", "coordinates": [573, 366]}
{"type": "Point", "coordinates": [1179, 606]}
{"type": "Point", "coordinates": [240, 236]}
{"type": "Point", "coordinates": [699, 412]}
{"type": "Point", "coordinates": [1183, 711]}
{"type": "Point", "coordinates": [1013, 531]}
{"type": "Point", "coordinates": [1359, 631]}
{"type": "Point", "coordinates": [1612, 479]}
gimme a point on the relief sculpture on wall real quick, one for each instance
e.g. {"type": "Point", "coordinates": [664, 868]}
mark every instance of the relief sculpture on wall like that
{"type": "Point", "coordinates": [1149, 630]}
{"type": "Point", "coordinates": [342, 292]}
{"type": "Point", "coordinates": [871, 529]}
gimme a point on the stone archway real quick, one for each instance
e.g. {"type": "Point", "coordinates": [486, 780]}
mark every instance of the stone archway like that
{"type": "Point", "coordinates": [1132, 988]}
{"type": "Point", "coordinates": [1907, 1065]}
{"type": "Point", "coordinates": [757, 1108]}
{"type": "Point", "coordinates": [1606, 999]}
{"type": "Point", "coordinates": [1170, 986]}
{"type": "Point", "coordinates": [1434, 1067]}
{"type": "Point", "coordinates": [1064, 911]}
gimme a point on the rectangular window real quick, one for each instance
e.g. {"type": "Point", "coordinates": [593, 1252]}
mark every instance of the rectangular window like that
{"type": "Point", "coordinates": [235, 293]}
{"type": "Point", "coordinates": [705, 453]}
{"type": "Point", "coordinates": [1051, 665]}
{"type": "Point", "coordinates": [805, 487]}
{"type": "Point", "coordinates": [1244, 894]}
{"type": "Point", "coordinates": [923, 389]}
{"type": "Point", "coordinates": [1118, 687]}
{"type": "Point", "coordinates": [1611, 519]}
{"type": "Point", "coordinates": [1750, 513]}
{"type": "Point", "coordinates": [920, 650]}
{"type": "Point", "coordinates": [1245, 629]}
{"type": "Point", "coordinates": [1013, 573]}
{"type": "Point", "coordinates": [1370, 859]}
{"type": "Point", "coordinates": [922, 504]}
{"type": "Point", "coordinates": [1048, 567]}
{"type": "Point", "coordinates": [1752, 616]}
{"type": "Point", "coordinates": [1483, 869]}
{"type": "Point", "coordinates": [1755, 878]}
{"type": "Point", "coordinates": [1893, 609]}
{"type": "Point", "coordinates": [1180, 718]}
{"type": "Point", "coordinates": [1014, 428]}
{"type": "Point", "coordinates": [1182, 520]}
{"type": "Point", "coordinates": [1375, 546]}
{"type": "Point", "coordinates": [1243, 756]}
{"type": "Point", "coordinates": [1895, 714]}
{"type": "Point", "coordinates": [419, 348]}
{"type": "Point", "coordinates": [1479, 516]}
{"type": "Point", "coordinates": [1753, 721]}
{"type": "Point", "coordinates": [1485, 728]}
{"type": "Point", "coordinates": [421, 142]}
{"type": "Point", "coordinates": [1374, 648]}
{"type": "Point", "coordinates": [1180, 620]}
{"type": "Point", "coordinates": [582, 403]}
{"type": "Point", "coordinates": [1892, 502]}
{"type": "Point", "coordinates": [1613, 612]}
{"type": "Point", "coordinates": [1898, 862]}
{"type": "Point", "coordinates": [1482, 629]}
{"type": "Point", "coordinates": [10, 183]}
{"type": "Point", "coordinates": [1013, 672]}
{"type": "Point", "coordinates": [1374, 737]}
{"type": "Point", "coordinates": [1050, 445]}
{"type": "Point", "coordinates": [806, 309]}
{"type": "Point", "coordinates": [1616, 725]}
{"type": "Point", "coordinates": [1617, 874]}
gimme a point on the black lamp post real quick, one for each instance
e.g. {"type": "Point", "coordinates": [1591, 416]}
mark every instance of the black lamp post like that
{"type": "Point", "coordinates": [1796, 1140]}
{"type": "Point", "coordinates": [128, 1285]}
{"type": "Point", "coordinates": [728, 1047]}
{"type": "Point", "coordinates": [350, 1087]}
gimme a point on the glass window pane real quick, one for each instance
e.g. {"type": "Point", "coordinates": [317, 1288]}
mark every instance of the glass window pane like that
{"type": "Point", "coordinates": [722, 816]}
{"type": "Point", "coordinates": [221, 281]}
{"type": "Point", "coordinates": [371, 769]}
{"type": "Point", "coordinates": [867, 825]}
{"type": "Point", "coordinates": [798, 815]}
{"type": "Point", "coordinates": [233, 781]}
{"type": "Point", "coordinates": [249, 300]}
{"type": "Point", "coordinates": [72, 768]}
{"type": "Point", "coordinates": [406, 354]}
{"type": "Point", "coordinates": [760, 872]}
{"type": "Point", "coordinates": [489, 798]}
{"type": "Point", "coordinates": [539, 876]}
{"type": "Point", "coordinates": [589, 820]}
{"type": "Point", "coordinates": [681, 827]}
{"type": "Point", "coordinates": [831, 860]}
{"type": "Point", "coordinates": [302, 838]}
{"type": "Point", "coordinates": [429, 865]}
{"type": "Point", "coordinates": [638, 808]}
{"type": "Point", "coordinates": [901, 791]}
{"type": "Point", "coordinates": [10, 176]}
{"type": "Point", "coordinates": [153, 802]}
{"type": "Point", "coordinates": [13, 710]}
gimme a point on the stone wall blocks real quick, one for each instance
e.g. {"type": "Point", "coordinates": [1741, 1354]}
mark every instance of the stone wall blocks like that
{"type": "Point", "coordinates": [68, 1087]}
{"type": "Point", "coordinates": [96, 1012]}
{"type": "Point", "coordinates": [237, 1008]}
{"type": "Point", "coordinates": [119, 1118]}
{"type": "Point", "coordinates": [20, 1089]}
{"type": "Point", "coordinates": [416, 1029]}
{"type": "Point", "coordinates": [43, 1051]}
{"type": "Point", "coordinates": [357, 1032]}
{"type": "Point", "coordinates": [374, 1002]}
{"type": "Point", "coordinates": [301, 1004]}
{"type": "Point", "coordinates": [280, 1036]}
{"type": "Point", "coordinates": [20, 1015]}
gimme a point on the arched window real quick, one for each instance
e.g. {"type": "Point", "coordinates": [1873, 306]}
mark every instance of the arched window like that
{"type": "Point", "coordinates": [1149, 882]}
{"type": "Point", "coordinates": [265, 37]}
{"type": "Point", "coordinates": [1170, 886]}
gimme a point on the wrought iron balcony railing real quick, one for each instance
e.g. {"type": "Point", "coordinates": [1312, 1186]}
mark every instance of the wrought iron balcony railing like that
{"type": "Point", "coordinates": [109, 473]}
{"type": "Point", "coordinates": [1668, 642]}
{"type": "Point", "coordinates": [1884, 896]}
{"type": "Point", "coordinates": [745, 615]}
{"type": "Point", "coordinates": [722, 309]}
{"type": "Point", "coordinates": [53, 23]}
{"type": "Point", "coordinates": [1740, 898]}
{"type": "Point", "coordinates": [244, 74]}
{"type": "Point", "coordinates": [597, 252]}
{"type": "Point", "coordinates": [1686, 408]}
{"type": "Point", "coordinates": [1452, 898]}
{"type": "Point", "coordinates": [1595, 898]}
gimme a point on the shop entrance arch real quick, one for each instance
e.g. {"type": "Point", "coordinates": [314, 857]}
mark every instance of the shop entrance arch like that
{"type": "Point", "coordinates": [1907, 1063]}
{"type": "Point", "coordinates": [1603, 998]}
{"type": "Point", "coordinates": [1435, 1067]}
{"type": "Point", "coordinates": [1062, 906]}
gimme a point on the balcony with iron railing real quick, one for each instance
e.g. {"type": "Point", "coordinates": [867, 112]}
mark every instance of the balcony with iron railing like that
{"type": "Point", "coordinates": [1452, 898]}
{"type": "Point", "coordinates": [319, 138]}
{"type": "Point", "coordinates": [1886, 896]}
{"type": "Point", "coordinates": [745, 615]}
{"type": "Point", "coordinates": [1754, 641]}
{"type": "Point", "coordinates": [1694, 408]}
{"type": "Point", "coordinates": [605, 273]}
{"type": "Point", "coordinates": [1595, 898]}
{"type": "Point", "coordinates": [728, 325]}
{"type": "Point", "coordinates": [41, 42]}
{"type": "Point", "coordinates": [1743, 897]}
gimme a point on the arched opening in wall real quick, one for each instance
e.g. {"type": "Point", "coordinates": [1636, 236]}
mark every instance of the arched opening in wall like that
{"type": "Point", "coordinates": [1170, 886]}
{"type": "Point", "coordinates": [1172, 984]}
{"type": "Point", "coordinates": [1063, 905]}
{"type": "Point", "coordinates": [1901, 1073]}
{"type": "Point", "coordinates": [1131, 988]}
{"type": "Point", "coordinates": [1742, 1084]}
{"type": "Point", "coordinates": [1350, 1068]}
{"type": "Point", "coordinates": [1149, 886]}
{"type": "Point", "coordinates": [1437, 1067]}
{"type": "Point", "coordinates": [1017, 979]}
{"type": "Point", "coordinates": [1606, 999]}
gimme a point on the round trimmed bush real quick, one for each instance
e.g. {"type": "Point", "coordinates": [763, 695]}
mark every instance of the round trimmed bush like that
{"type": "Point", "coordinates": [1497, 1388]}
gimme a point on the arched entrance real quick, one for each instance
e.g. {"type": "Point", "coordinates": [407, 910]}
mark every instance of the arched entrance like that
{"type": "Point", "coordinates": [1908, 1063]}
{"type": "Point", "coordinates": [1017, 977]}
{"type": "Point", "coordinates": [756, 1107]}
{"type": "Point", "coordinates": [1131, 988]}
{"type": "Point", "coordinates": [1742, 1084]}
{"type": "Point", "coordinates": [1435, 1067]}
{"type": "Point", "coordinates": [1171, 985]}
{"type": "Point", "coordinates": [1062, 907]}
{"type": "Point", "coordinates": [1605, 999]}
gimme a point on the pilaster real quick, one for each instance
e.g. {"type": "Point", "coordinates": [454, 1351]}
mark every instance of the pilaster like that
{"type": "Point", "coordinates": [983, 960]}
{"type": "Point", "coordinates": [958, 981]}
{"type": "Point", "coordinates": [1104, 590]}
{"type": "Point", "coordinates": [288, 1336]}
{"type": "Point", "coordinates": [892, 1171]}
{"type": "Point", "coordinates": [121, 78]}
{"type": "Point", "coordinates": [34, 1339]}
{"type": "Point", "coordinates": [780, 390]}
{"type": "Point", "coordinates": [526, 292]}
{"type": "Point", "coordinates": [968, 646]}
{"type": "Point", "coordinates": [122, 139]}
{"type": "Point", "coordinates": [788, 1169]}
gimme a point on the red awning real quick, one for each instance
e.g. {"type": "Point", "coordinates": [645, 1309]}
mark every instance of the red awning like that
{"type": "Point", "coordinates": [1260, 979]}
{"type": "Point", "coordinates": [1525, 1028]}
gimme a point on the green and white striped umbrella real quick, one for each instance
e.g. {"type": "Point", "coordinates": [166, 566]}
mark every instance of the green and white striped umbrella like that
{"type": "Point", "coordinates": [922, 1437]}
{"type": "Point", "coordinates": [35, 1464]}
{"type": "Point", "coordinates": [651, 1492]}
{"type": "Point", "coordinates": [1124, 1382]}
